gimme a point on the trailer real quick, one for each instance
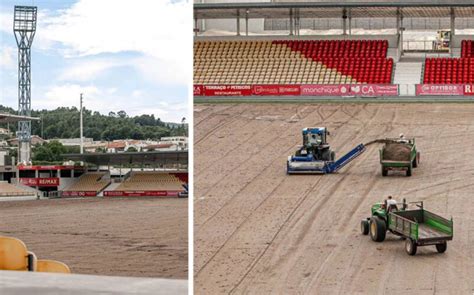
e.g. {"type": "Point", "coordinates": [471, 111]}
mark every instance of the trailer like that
{"type": "Point", "coordinates": [412, 159]}
{"type": "Point", "coordinates": [418, 227]}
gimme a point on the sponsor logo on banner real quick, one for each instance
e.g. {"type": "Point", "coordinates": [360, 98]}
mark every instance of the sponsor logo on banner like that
{"type": "Point", "coordinates": [53, 181]}
{"type": "Point", "coordinates": [362, 90]}
{"type": "Point", "coordinates": [439, 89]}
{"type": "Point", "coordinates": [324, 90]}
{"type": "Point", "coordinates": [227, 90]}
{"type": "Point", "coordinates": [198, 90]}
{"type": "Point", "coordinates": [469, 89]}
{"type": "Point", "coordinates": [276, 90]}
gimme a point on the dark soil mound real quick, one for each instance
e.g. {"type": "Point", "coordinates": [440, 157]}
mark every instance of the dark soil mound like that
{"type": "Point", "coordinates": [397, 152]}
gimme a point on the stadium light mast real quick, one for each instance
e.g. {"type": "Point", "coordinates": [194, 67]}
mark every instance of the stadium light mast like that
{"type": "Point", "coordinates": [81, 128]}
{"type": "Point", "coordinates": [24, 28]}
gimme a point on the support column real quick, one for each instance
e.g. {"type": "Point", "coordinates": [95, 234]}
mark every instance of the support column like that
{"type": "Point", "coordinates": [291, 22]}
{"type": "Point", "coordinates": [246, 22]}
{"type": "Point", "coordinates": [344, 22]}
{"type": "Point", "coordinates": [350, 22]}
{"type": "Point", "coordinates": [196, 26]}
{"type": "Point", "coordinates": [238, 22]}
{"type": "Point", "coordinates": [453, 27]}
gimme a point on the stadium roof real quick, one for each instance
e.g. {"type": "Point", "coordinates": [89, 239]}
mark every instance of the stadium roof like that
{"type": "Point", "coordinates": [8, 118]}
{"type": "Point", "coordinates": [148, 158]}
{"type": "Point", "coordinates": [334, 9]}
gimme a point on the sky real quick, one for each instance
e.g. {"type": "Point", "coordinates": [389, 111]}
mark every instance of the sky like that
{"type": "Point", "coordinates": [131, 55]}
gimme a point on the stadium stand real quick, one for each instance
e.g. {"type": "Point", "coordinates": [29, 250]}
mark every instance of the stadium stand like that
{"type": "Point", "coordinates": [292, 62]}
{"type": "Point", "coordinates": [451, 70]}
{"type": "Point", "coordinates": [91, 181]}
{"type": "Point", "coordinates": [7, 190]}
{"type": "Point", "coordinates": [151, 181]}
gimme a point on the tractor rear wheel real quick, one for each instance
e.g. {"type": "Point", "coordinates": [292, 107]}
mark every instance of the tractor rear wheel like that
{"type": "Point", "coordinates": [377, 229]}
{"type": "Point", "coordinates": [410, 247]}
{"type": "Point", "coordinates": [409, 170]}
{"type": "Point", "coordinates": [384, 171]}
{"type": "Point", "coordinates": [441, 248]}
{"type": "Point", "coordinates": [326, 155]}
{"type": "Point", "coordinates": [364, 227]}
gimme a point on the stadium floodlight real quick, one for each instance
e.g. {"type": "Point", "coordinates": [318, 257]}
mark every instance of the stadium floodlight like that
{"type": "Point", "coordinates": [24, 28]}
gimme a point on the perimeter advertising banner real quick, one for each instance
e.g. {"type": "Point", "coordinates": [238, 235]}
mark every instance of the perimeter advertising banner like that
{"type": "Point", "coordinates": [141, 193]}
{"type": "Point", "coordinates": [52, 181]}
{"type": "Point", "coordinates": [79, 194]}
{"type": "Point", "coordinates": [440, 89]}
{"type": "Point", "coordinates": [359, 90]}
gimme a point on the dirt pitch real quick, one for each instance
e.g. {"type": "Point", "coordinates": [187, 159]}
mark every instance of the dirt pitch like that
{"type": "Point", "coordinates": [260, 231]}
{"type": "Point", "coordinates": [122, 237]}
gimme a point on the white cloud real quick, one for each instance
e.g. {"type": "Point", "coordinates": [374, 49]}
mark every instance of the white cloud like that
{"type": "Point", "coordinates": [87, 70]}
{"type": "Point", "coordinates": [159, 29]}
{"type": "Point", "coordinates": [7, 57]}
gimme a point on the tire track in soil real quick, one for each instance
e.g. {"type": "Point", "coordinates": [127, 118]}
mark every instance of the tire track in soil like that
{"type": "Point", "coordinates": [214, 110]}
{"type": "Point", "coordinates": [217, 126]}
{"type": "Point", "coordinates": [249, 139]}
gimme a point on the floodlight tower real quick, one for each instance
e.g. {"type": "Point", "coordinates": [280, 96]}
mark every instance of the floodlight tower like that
{"type": "Point", "coordinates": [24, 27]}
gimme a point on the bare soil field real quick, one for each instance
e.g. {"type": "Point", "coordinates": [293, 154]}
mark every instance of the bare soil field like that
{"type": "Point", "coordinates": [122, 237]}
{"type": "Point", "coordinates": [260, 231]}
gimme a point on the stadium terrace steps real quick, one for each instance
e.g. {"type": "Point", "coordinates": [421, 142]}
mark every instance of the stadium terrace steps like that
{"type": "Point", "coordinates": [10, 190]}
{"type": "Point", "coordinates": [292, 62]}
{"type": "Point", "coordinates": [91, 181]}
{"type": "Point", "coordinates": [407, 75]}
{"type": "Point", "coordinates": [151, 181]}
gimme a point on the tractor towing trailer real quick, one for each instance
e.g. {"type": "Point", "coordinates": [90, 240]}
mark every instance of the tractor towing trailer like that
{"type": "Point", "coordinates": [418, 227]}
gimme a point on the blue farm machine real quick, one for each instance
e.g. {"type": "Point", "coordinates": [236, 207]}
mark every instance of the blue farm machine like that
{"type": "Point", "coordinates": [315, 156]}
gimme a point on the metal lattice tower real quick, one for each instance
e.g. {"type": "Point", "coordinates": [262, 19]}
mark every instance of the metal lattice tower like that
{"type": "Point", "coordinates": [24, 27]}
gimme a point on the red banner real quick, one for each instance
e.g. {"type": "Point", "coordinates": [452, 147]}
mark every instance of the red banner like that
{"type": "Point", "coordinates": [141, 193]}
{"type": "Point", "coordinates": [440, 89]}
{"type": "Point", "coordinates": [198, 90]}
{"type": "Point", "coordinates": [79, 194]}
{"type": "Point", "coordinates": [53, 181]}
{"type": "Point", "coordinates": [360, 90]}
{"type": "Point", "coordinates": [469, 89]}
{"type": "Point", "coordinates": [227, 90]}
{"type": "Point", "coordinates": [279, 90]}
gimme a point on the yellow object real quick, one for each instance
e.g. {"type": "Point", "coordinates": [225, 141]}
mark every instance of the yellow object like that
{"type": "Point", "coordinates": [52, 266]}
{"type": "Point", "coordinates": [13, 254]}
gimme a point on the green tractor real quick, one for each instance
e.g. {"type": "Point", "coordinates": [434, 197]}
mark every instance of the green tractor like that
{"type": "Point", "coordinates": [418, 227]}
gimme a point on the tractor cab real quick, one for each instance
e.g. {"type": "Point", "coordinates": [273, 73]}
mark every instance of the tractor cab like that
{"type": "Point", "coordinates": [315, 144]}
